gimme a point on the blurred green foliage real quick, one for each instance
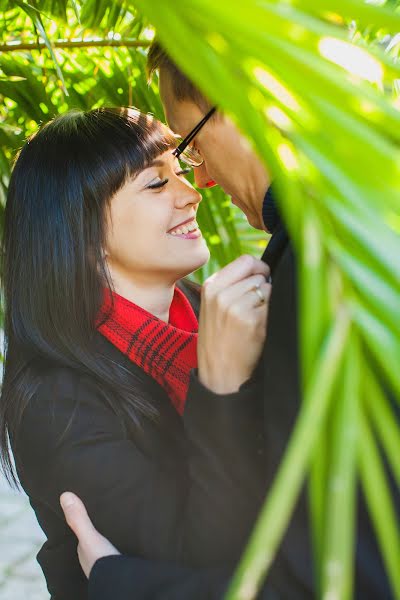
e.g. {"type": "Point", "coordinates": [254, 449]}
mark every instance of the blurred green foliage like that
{"type": "Point", "coordinates": [38, 83]}
{"type": "Point", "coordinates": [284, 70]}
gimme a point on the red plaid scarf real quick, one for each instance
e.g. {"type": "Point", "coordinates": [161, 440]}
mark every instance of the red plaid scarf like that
{"type": "Point", "coordinates": [166, 351]}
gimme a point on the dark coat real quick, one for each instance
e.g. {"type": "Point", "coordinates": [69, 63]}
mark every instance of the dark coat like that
{"type": "Point", "coordinates": [291, 573]}
{"type": "Point", "coordinates": [290, 577]}
{"type": "Point", "coordinates": [183, 490]}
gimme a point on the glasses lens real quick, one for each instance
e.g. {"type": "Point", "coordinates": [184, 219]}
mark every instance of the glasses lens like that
{"type": "Point", "coordinates": [191, 157]}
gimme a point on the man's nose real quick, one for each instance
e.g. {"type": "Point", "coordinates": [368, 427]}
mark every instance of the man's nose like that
{"type": "Point", "coordinates": [202, 178]}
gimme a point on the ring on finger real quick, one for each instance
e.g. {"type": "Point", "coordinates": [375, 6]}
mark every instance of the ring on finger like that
{"type": "Point", "coordinates": [259, 293]}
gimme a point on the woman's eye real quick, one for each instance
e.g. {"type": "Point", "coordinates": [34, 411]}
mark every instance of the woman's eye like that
{"type": "Point", "coordinates": [157, 184]}
{"type": "Point", "coordinates": [160, 184]}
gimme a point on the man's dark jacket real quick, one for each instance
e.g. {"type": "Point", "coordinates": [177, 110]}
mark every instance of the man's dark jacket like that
{"type": "Point", "coordinates": [291, 576]}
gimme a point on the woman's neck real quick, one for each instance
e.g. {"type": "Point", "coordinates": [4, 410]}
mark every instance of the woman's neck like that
{"type": "Point", "coordinates": [156, 299]}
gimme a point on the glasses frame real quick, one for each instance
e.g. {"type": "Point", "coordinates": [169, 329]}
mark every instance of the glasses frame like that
{"type": "Point", "coordinates": [190, 136]}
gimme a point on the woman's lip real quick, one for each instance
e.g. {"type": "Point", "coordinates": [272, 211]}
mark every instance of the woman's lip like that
{"type": "Point", "coordinates": [180, 224]}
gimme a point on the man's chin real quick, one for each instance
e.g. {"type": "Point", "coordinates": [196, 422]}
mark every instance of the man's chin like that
{"type": "Point", "coordinates": [253, 220]}
{"type": "Point", "coordinates": [256, 223]}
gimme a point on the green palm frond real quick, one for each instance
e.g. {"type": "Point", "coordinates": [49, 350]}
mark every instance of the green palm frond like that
{"type": "Point", "coordinates": [317, 108]}
{"type": "Point", "coordinates": [315, 86]}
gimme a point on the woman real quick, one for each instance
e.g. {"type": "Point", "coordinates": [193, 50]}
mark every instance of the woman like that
{"type": "Point", "coordinates": [100, 390]}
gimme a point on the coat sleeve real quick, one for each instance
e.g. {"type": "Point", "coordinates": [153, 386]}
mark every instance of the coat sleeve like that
{"type": "Point", "coordinates": [198, 512]}
{"type": "Point", "coordinates": [127, 578]}
{"type": "Point", "coordinates": [226, 468]}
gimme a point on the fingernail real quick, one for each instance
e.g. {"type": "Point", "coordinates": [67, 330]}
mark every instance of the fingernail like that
{"type": "Point", "coordinates": [67, 499]}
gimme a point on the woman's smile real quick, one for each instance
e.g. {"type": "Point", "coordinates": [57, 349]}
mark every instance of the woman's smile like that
{"type": "Point", "coordinates": [189, 229]}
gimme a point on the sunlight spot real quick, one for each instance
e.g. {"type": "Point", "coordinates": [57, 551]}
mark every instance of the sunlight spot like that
{"type": "Point", "coordinates": [112, 35]}
{"type": "Point", "coordinates": [217, 42]}
{"type": "Point", "coordinates": [276, 88]}
{"type": "Point", "coordinates": [9, 102]}
{"type": "Point", "coordinates": [288, 157]}
{"type": "Point", "coordinates": [353, 59]}
{"type": "Point", "coordinates": [278, 117]}
{"type": "Point", "coordinates": [333, 18]}
{"type": "Point", "coordinates": [214, 240]}
{"type": "Point", "coordinates": [52, 28]}
{"type": "Point", "coordinates": [148, 33]}
{"type": "Point", "coordinates": [367, 108]}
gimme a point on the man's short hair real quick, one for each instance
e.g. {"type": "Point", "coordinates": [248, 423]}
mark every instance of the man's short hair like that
{"type": "Point", "coordinates": [182, 87]}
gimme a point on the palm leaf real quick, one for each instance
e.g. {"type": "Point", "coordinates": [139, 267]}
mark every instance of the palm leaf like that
{"type": "Point", "coordinates": [332, 145]}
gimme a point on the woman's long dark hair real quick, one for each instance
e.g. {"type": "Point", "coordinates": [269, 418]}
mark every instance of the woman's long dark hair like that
{"type": "Point", "coordinates": [53, 269]}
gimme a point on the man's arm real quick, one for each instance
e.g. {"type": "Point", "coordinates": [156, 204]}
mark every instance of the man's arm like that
{"type": "Point", "coordinates": [129, 578]}
{"type": "Point", "coordinates": [116, 577]}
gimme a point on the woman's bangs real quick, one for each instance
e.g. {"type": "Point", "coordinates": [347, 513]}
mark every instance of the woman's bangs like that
{"type": "Point", "coordinates": [142, 138]}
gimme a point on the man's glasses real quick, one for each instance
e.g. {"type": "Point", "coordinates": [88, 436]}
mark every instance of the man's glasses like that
{"type": "Point", "coordinates": [187, 153]}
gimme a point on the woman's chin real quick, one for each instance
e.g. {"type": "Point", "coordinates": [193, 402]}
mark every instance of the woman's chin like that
{"type": "Point", "coordinates": [195, 262]}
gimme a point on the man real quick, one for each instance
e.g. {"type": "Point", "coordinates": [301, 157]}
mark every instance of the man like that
{"type": "Point", "coordinates": [224, 157]}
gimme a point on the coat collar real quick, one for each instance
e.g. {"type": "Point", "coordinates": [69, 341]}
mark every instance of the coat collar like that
{"type": "Point", "coordinates": [279, 238]}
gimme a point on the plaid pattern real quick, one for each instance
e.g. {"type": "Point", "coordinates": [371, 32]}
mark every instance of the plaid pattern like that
{"type": "Point", "coordinates": [165, 351]}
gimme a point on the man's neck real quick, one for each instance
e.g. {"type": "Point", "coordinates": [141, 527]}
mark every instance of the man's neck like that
{"type": "Point", "coordinates": [270, 212]}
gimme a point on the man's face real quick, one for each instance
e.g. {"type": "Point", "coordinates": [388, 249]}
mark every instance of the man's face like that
{"type": "Point", "coordinates": [228, 159]}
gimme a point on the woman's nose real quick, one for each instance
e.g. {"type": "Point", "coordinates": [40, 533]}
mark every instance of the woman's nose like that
{"type": "Point", "coordinates": [202, 178]}
{"type": "Point", "coordinates": [188, 196]}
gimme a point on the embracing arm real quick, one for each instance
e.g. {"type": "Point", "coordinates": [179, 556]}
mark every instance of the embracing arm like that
{"type": "Point", "coordinates": [116, 577]}
{"type": "Point", "coordinates": [127, 578]}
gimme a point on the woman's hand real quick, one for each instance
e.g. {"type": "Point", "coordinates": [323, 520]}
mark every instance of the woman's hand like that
{"type": "Point", "coordinates": [232, 324]}
{"type": "Point", "coordinates": [92, 545]}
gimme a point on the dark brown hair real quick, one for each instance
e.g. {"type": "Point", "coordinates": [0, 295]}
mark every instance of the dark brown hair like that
{"type": "Point", "coordinates": [53, 269]}
{"type": "Point", "coordinates": [182, 87]}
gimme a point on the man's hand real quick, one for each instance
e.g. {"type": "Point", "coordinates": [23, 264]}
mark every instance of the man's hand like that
{"type": "Point", "coordinates": [232, 324]}
{"type": "Point", "coordinates": [92, 545]}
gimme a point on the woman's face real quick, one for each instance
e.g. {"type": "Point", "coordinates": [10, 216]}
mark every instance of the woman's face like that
{"type": "Point", "coordinates": [151, 233]}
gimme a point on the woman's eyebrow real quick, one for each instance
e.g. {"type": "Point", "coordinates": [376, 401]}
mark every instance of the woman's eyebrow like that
{"type": "Point", "coordinates": [156, 163]}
